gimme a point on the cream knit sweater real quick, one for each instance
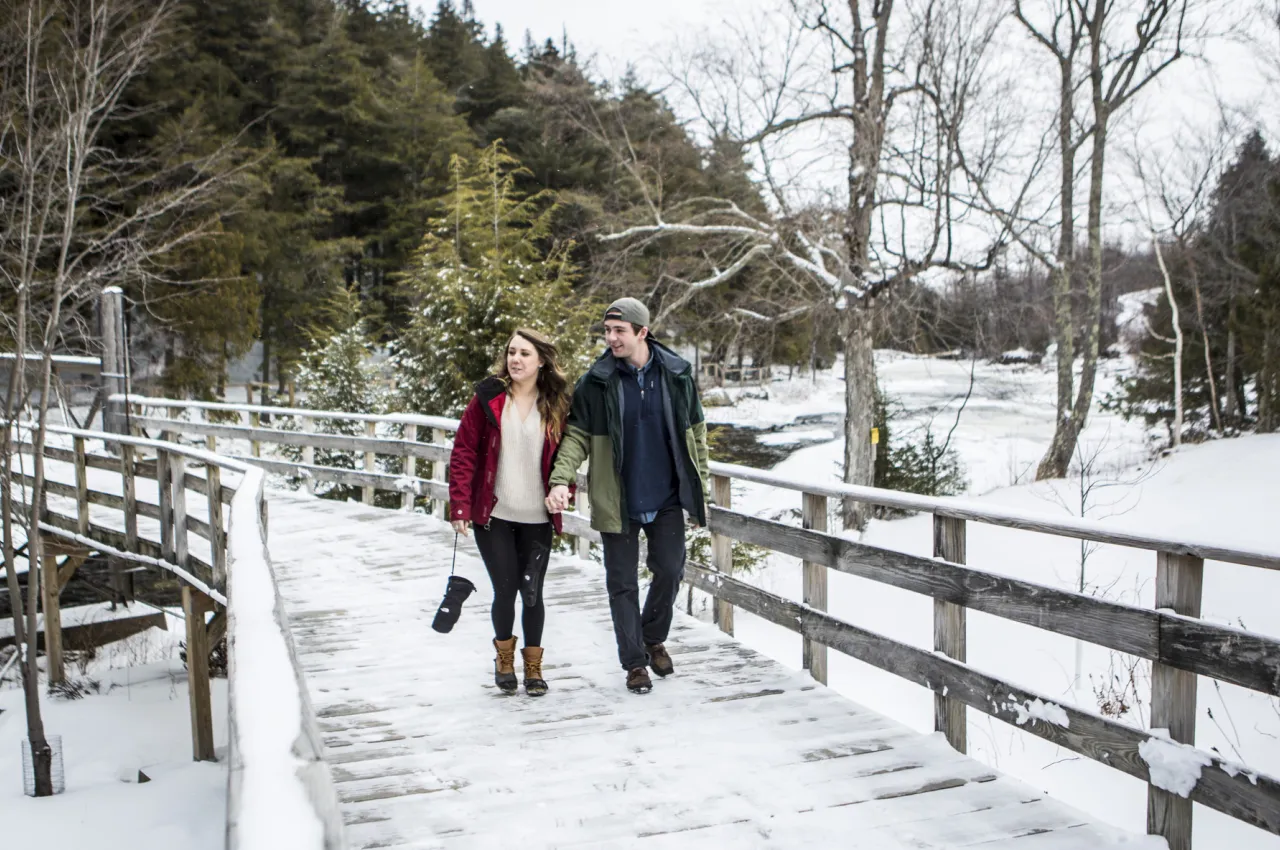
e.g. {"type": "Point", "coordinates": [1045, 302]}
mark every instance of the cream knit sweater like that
{"type": "Point", "coordinates": [518, 486]}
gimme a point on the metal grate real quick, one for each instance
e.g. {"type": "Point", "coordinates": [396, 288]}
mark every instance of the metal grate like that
{"type": "Point", "coordinates": [28, 767]}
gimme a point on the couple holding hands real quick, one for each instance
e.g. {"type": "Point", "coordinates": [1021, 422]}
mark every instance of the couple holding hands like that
{"type": "Point", "coordinates": [635, 417]}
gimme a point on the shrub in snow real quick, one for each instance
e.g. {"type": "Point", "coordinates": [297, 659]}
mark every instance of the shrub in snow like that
{"type": "Point", "coordinates": [72, 689]}
{"type": "Point", "coordinates": [487, 265]}
{"type": "Point", "coordinates": [217, 658]}
{"type": "Point", "coordinates": [336, 374]}
{"type": "Point", "coordinates": [747, 557]}
{"type": "Point", "coordinates": [922, 463]}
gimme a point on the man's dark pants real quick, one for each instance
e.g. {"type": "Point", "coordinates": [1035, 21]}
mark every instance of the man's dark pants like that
{"type": "Point", "coordinates": [633, 628]}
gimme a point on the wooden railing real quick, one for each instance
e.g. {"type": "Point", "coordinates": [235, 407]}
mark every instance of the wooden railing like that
{"type": "Point", "coordinates": [1170, 635]}
{"type": "Point", "coordinates": [276, 773]}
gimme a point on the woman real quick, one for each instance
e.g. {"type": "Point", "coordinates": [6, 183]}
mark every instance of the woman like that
{"type": "Point", "coordinates": [499, 469]}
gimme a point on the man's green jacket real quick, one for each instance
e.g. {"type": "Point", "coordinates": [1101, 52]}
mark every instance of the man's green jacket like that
{"type": "Point", "coordinates": [594, 432]}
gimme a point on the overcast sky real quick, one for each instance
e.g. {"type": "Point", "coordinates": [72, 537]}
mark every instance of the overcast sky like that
{"type": "Point", "coordinates": [616, 33]}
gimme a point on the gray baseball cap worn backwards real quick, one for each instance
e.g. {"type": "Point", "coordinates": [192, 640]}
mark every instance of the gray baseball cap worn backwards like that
{"type": "Point", "coordinates": [628, 310]}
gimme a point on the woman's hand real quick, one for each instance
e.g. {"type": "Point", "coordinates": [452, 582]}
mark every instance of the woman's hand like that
{"type": "Point", "coordinates": [558, 499]}
{"type": "Point", "coordinates": [461, 526]}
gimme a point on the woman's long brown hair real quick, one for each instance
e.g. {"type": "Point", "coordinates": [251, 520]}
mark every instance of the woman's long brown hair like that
{"type": "Point", "coordinates": [554, 393]}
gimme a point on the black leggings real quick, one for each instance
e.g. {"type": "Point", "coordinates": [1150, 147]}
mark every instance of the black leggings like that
{"type": "Point", "coordinates": [516, 555]}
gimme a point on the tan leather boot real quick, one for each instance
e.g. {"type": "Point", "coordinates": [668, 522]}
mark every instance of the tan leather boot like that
{"type": "Point", "coordinates": [534, 684]}
{"type": "Point", "coordinates": [504, 666]}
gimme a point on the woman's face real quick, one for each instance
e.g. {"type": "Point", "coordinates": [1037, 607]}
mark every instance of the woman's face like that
{"type": "Point", "coordinates": [523, 361]}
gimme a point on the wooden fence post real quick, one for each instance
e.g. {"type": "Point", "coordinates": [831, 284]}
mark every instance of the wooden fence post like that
{"type": "Point", "coordinates": [370, 460]}
{"type": "Point", "coordinates": [82, 487]}
{"type": "Point", "coordinates": [1179, 582]}
{"type": "Point", "coordinates": [217, 536]}
{"type": "Point", "coordinates": [722, 550]}
{"type": "Point", "coordinates": [123, 581]}
{"type": "Point", "coordinates": [194, 606]}
{"type": "Point", "coordinates": [439, 508]}
{"type": "Point", "coordinates": [177, 481]}
{"type": "Point", "coordinates": [410, 468]}
{"type": "Point", "coordinates": [584, 508]}
{"type": "Point", "coordinates": [165, 492]}
{"type": "Point", "coordinates": [815, 586]}
{"type": "Point", "coordinates": [309, 453]}
{"type": "Point", "coordinates": [949, 632]}
{"type": "Point", "coordinates": [50, 589]}
{"type": "Point", "coordinates": [255, 420]}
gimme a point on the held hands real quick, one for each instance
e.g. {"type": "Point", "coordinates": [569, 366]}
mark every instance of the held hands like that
{"type": "Point", "coordinates": [557, 500]}
{"type": "Point", "coordinates": [461, 526]}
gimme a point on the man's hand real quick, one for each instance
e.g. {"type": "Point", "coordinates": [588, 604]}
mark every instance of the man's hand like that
{"type": "Point", "coordinates": [461, 526]}
{"type": "Point", "coordinates": [558, 499]}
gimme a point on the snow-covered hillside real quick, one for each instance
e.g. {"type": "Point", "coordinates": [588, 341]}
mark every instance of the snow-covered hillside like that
{"type": "Point", "coordinates": [1224, 490]}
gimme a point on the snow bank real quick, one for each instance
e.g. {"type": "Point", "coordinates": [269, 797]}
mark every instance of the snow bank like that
{"type": "Point", "coordinates": [280, 793]}
{"type": "Point", "coordinates": [1174, 767]}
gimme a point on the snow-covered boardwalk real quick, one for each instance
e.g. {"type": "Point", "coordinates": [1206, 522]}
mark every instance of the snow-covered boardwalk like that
{"type": "Point", "coordinates": [735, 750]}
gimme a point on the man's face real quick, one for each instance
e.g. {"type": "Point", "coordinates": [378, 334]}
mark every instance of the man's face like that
{"type": "Point", "coordinates": [622, 339]}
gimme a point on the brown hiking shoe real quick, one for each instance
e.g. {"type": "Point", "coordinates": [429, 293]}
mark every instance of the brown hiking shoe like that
{"type": "Point", "coordinates": [659, 660]}
{"type": "Point", "coordinates": [534, 684]}
{"type": "Point", "coordinates": [504, 666]}
{"type": "Point", "coordinates": [638, 681]}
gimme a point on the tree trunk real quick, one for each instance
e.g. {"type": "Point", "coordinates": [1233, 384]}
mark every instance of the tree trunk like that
{"type": "Point", "coordinates": [859, 403]}
{"type": "Point", "coordinates": [1266, 381]}
{"type": "Point", "coordinates": [1235, 408]}
{"type": "Point", "coordinates": [1176, 434]}
{"type": "Point", "coordinates": [1214, 408]}
{"type": "Point", "coordinates": [42, 755]}
{"type": "Point", "coordinates": [266, 364]}
{"type": "Point", "coordinates": [1058, 458]}
{"type": "Point", "coordinates": [1093, 285]}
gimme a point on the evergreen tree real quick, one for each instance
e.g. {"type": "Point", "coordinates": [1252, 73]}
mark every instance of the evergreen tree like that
{"type": "Point", "coordinates": [454, 49]}
{"type": "Point", "coordinates": [423, 136]}
{"type": "Point", "coordinates": [486, 266]}
{"type": "Point", "coordinates": [335, 373]}
{"type": "Point", "coordinates": [297, 270]}
{"type": "Point", "coordinates": [1226, 279]}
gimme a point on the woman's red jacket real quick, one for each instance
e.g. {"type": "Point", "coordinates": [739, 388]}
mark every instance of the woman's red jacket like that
{"type": "Point", "coordinates": [473, 464]}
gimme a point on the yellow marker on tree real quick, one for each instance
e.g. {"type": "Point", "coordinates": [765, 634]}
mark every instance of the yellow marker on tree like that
{"type": "Point", "coordinates": [875, 436]}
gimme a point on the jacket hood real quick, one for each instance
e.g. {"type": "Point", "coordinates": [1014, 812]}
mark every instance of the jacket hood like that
{"type": "Point", "coordinates": [606, 364]}
{"type": "Point", "coordinates": [490, 388]}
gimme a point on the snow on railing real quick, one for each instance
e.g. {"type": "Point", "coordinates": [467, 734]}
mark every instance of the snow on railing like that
{"type": "Point", "coordinates": [443, 423]}
{"type": "Point", "coordinates": [947, 506]}
{"type": "Point", "coordinates": [280, 791]}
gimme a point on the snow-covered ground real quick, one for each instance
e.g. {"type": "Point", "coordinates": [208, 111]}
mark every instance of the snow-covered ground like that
{"type": "Point", "coordinates": [139, 721]}
{"type": "Point", "coordinates": [1224, 491]}
{"type": "Point", "coordinates": [1007, 420]}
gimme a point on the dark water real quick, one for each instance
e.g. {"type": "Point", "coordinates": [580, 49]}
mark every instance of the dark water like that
{"type": "Point", "coordinates": [741, 445]}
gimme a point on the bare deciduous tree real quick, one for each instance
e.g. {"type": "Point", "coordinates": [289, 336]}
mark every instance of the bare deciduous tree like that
{"type": "Point", "coordinates": [882, 96]}
{"type": "Point", "coordinates": [1106, 55]}
{"type": "Point", "coordinates": [75, 217]}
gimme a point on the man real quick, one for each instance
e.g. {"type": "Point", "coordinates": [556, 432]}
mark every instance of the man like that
{"type": "Point", "coordinates": [636, 416]}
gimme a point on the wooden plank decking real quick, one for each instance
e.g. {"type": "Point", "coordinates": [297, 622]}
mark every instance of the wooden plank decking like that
{"type": "Point", "coordinates": [734, 750]}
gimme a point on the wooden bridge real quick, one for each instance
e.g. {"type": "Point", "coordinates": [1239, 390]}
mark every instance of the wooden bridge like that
{"type": "Point", "coordinates": [354, 725]}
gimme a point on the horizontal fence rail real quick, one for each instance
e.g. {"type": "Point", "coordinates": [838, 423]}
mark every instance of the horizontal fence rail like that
{"type": "Point", "coordinates": [280, 792]}
{"type": "Point", "coordinates": [1171, 635]}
